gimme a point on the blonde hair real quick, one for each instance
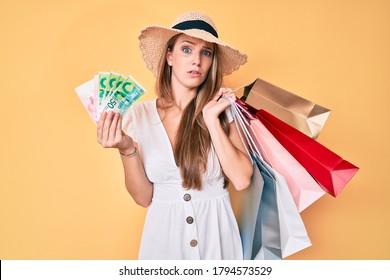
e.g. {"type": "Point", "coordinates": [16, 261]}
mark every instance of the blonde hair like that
{"type": "Point", "coordinates": [193, 138]}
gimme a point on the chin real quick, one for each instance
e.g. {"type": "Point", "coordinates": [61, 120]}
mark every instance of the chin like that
{"type": "Point", "coordinates": [196, 83]}
{"type": "Point", "coordinates": [193, 85]}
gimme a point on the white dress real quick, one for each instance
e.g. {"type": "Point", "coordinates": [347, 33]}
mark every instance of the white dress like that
{"type": "Point", "coordinates": [180, 224]}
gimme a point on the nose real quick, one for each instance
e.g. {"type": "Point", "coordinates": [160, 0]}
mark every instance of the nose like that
{"type": "Point", "coordinates": [196, 59]}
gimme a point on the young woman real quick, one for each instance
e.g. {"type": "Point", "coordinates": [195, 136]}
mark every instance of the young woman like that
{"type": "Point", "coordinates": [179, 150]}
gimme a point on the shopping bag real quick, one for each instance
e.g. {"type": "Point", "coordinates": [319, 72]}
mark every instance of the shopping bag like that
{"type": "Point", "coordinates": [297, 111]}
{"type": "Point", "coordinates": [330, 170]}
{"type": "Point", "coordinates": [271, 227]}
{"type": "Point", "coordinates": [278, 230]}
{"type": "Point", "coordinates": [304, 189]}
{"type": "Point", "coordinates": [266, 239]}
{"type": "Point", "coordinates": [249, 210]}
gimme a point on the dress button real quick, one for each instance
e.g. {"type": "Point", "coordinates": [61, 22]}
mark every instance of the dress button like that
{"type": "Point", "coordinates": [193, 243]}
{"type": "Point", "coordinates": [187, 197]}
{"type": "Point", "coordinates": [190, 220]}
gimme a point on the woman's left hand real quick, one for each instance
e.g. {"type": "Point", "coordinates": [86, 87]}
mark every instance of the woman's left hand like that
{"type": "Point", "coordinates": [217, 105]}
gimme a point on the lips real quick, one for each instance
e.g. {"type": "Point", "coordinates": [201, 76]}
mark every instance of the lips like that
{"type": "Point", "coordinates": [194, 73]}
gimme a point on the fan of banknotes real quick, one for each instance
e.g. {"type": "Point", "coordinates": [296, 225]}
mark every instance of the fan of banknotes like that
{"type": "Point", "coordinates": [109, 91]}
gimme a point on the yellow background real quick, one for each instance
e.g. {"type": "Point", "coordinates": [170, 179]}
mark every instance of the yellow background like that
{"type": "Point", "coordinates": [62, 196]}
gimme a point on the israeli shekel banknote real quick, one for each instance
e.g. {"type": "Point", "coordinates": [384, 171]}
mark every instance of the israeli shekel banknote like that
{"type": "Point", "coordinates": [109, 91]}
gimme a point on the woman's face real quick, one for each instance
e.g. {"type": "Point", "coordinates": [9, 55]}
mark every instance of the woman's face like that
{"type": "Point", "coordinates": [191, 59]}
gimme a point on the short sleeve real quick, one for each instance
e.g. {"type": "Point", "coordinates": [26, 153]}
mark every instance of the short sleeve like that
{"type": "Point", "coordinates": [128, 123]}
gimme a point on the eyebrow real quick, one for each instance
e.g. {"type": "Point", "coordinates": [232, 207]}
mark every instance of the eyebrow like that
{"type": "Point", "coordinates": [192, 43]}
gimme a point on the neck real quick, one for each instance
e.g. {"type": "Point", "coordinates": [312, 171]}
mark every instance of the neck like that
{"type": "Point", "coordinates": [182, 96]}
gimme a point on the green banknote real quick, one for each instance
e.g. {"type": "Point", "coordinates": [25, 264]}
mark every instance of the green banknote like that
{"type": "Point", "coordinates": [109, 91]}
{"type": "Point", "coordinates": [112, 84]}
{"type": "Point", "coordinates": [103, 78]}
{"type": "Point", "coordinates": [123, 96]}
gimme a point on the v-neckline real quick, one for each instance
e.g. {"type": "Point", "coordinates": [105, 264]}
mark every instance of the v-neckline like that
{"type": "Point", "coordinates": [168, 141]}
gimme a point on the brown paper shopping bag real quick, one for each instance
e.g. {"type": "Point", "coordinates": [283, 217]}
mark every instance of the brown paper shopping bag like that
{"type": "Point", "coordinates": [297, 111]}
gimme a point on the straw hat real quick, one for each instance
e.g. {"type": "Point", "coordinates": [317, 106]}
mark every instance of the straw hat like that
{"type": "Point", "coordinates": [153, 40]}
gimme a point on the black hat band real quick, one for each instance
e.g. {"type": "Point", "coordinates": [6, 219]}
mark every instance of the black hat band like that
{"type": "Point", "coordinates": [196, 24]}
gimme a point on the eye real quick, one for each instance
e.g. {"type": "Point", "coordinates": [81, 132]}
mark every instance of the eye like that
{"type": "Point", "coordinates": [207, 53]}
{"type": "Point", "coordinates": [186, 49]}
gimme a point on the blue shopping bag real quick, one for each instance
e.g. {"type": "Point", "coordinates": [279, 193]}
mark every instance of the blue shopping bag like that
{"type": "Point", "coordinates": [271, 227]}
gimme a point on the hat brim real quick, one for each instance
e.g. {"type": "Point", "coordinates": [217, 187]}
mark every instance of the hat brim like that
{"type": "Point", "coordinates": [153, 40]}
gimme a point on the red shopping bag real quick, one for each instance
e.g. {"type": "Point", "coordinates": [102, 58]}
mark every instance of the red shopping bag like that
{"type": "Point", "coordinates": [330, 170]}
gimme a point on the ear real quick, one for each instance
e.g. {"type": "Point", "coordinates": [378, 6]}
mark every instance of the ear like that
{"type": "Point", "coordinates": [169, 58]}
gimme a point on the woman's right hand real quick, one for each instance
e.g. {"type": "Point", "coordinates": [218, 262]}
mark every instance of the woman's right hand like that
{"type": "Point", "coordinates": [110, 133]}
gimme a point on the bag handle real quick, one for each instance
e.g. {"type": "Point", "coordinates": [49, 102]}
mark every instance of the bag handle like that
{"type": "Point", "coordinates": [241, 124]}
{"type": "Point", "coordinates": [243, 132]}
{"type": "Point", "coordinates": [251, 112]}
